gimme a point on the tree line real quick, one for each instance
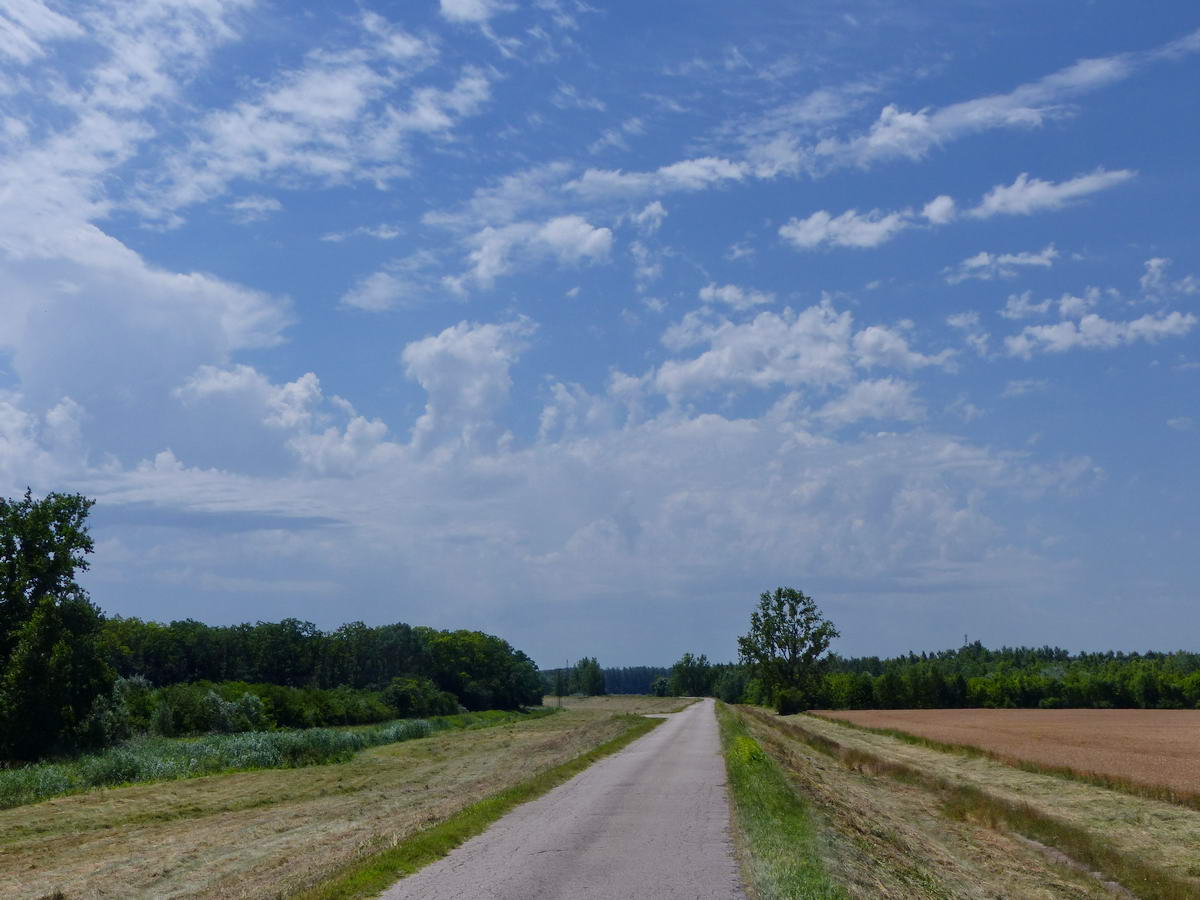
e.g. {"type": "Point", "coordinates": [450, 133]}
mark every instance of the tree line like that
{"type": "Point", "coordinates": [784, 662]}
{"type": "Point", "coordinates": [71, 678]}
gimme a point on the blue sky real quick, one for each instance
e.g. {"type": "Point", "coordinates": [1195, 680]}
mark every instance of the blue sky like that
{"type": "Point", "coordinates": [583, 324]}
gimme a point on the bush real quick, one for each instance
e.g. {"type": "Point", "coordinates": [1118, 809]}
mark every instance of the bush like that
{"type": "Point", "coordinates": [789, 701]}
{"type": "Point", "coordinates": [413, 696]}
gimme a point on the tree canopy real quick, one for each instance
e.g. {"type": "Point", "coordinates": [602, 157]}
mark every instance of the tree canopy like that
{"type": "Point", "coordinates": [786, 644]}
{"type": "Point", "coordinates": [51, 668]}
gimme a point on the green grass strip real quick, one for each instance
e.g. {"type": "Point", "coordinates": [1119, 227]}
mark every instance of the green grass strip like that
{"type": "Point", "coordinates": [369, 876]}
{"type": "Point", "coordinates": [781, 836]}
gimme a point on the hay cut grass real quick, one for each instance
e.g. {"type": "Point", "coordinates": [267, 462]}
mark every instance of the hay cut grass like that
{"type": "Point", "coordinates": [1147, 752]}
{"type": "Point", "coordinates": [274, 832]}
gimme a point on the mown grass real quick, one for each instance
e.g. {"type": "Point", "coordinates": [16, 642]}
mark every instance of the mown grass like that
{"type": "Point", "coordinates": [1161, 792]}
{"type": "Point", "coordinates": [369, 875]}
{"type": "Point", "coordinates": [969, 803]}
{"type": "Point", "coordinates": [780, 834]}
{"type": "Point", "coordinates": [148, 759]}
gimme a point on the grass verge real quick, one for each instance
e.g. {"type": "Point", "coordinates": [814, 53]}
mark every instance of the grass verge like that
{"type": "Point", "coordinates": [1166, 794]}
{"type": "Point", "coordinates": [369, 875]}
{"type": "Point", "coordinates": [781, 837]}
{"type": "Point", "coordinates": [150, 759]}
{"type": "Point", "coordinates": [969, 803]}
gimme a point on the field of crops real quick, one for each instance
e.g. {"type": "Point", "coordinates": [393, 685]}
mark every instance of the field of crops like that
{"type": "Point", "coordinates": [1158, 747]}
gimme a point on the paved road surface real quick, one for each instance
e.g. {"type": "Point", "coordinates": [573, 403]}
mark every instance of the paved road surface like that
{"type": "Point", "coordinates": [648, 823]}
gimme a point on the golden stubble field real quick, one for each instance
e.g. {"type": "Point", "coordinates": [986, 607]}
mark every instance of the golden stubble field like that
{"type": "Point", "coordinates": [1153, 747]}
{"type": "Point", "coordinates": [270, 833]}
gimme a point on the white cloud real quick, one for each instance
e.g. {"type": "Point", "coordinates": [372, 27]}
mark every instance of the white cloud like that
{"type": "Point", "coordinates": [254, 208]}
{"type": "Point", "coordinates": [25, 25]}
{"type": "Point", "coordinates": [465, 372]}
{"type": "Point", "coordinates": [1155, 283]}
{"type": "Point", "coordinates": [877, 346]}
{"type": "Point", "coordinates": [381, 232]}
{"type": "Point", "coordinates": [1182, 423]}
{"type": "Point", "coordinates": [379, 291]}
{"type": "Point", "coordinates": [940, 210]}
{"type": "Point", "coordinates": [850, 229]}
{"type": "Point", "coordinates": [570, 240]}
{"type": "Point", "coordinates": [734, 296]}
{"type": "Point", "coordinates": [650, 219]}
{"type": "Point", "coordinates": [1095, 333]}
{"type": "Point", "coordinates": [1020, 306]}
{"type": "Point", "coordinates": [334, 120]}
{"type": "Point", "coordinates": [1021, 386]}
{"type": "Point", "coordinates": [985, 266]}
{"type": "Point", "coordinates": [472, 11]}
{"type": "Point", "coordinates": [790, 349]}
{"type": "Point", "coordinates": [1029, 195]}
{"type": "Point", "coordinates": [973, 334]}
{"type": "Point", "coordinates": [686, 175]}
{"type": "Point", "coordinates": [883, 399]}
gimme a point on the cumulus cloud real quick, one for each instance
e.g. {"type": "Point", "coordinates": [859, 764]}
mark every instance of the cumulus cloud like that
{"type": "Point", "coordinates": [985, 266]}
{"type": "Point", "coordinates": [815, 349]}
{"type": "Point", "coordinates": [651, 217]}
{"type": "Point", "coordinates": [879, 346]}
{"type": "Point", "coordinates": [1156, 284]}
{"type": "Point", "coordinates": [465, 373]}
{"type": "Point", "coordinates": [1095, 333]}
{"type": "Point", "coordinates": [1029, 195]}
{"type": "Point", "coordinates": [378, 291]}
{"type": "Point", "coordinates": [850, 229]}
{"type": "Point", "coordinates": [734, 296]}
{"type": "Point", "coordinates": [884, 399]}
{"type": "Point", "coordinates": [941, 210]}
{"type": "Point", "coordinates": [569, 240]}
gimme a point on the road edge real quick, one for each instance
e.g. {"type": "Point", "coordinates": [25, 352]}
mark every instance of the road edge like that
{"type": "Point", "coordinates": [369, 875]}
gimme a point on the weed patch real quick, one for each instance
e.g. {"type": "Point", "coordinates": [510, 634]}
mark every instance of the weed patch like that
{"type": "Point", "coordinates": [164, 759]}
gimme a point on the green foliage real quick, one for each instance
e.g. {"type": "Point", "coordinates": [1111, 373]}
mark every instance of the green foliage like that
{"type": "Point", "coordinates": [786, 643]}
{"type": "Point", "coordinates": [587, 678]}
{"type": "Point", "coordinates": [661, 687]}
{"type": "Point", "coordinates": [412, 696]}
{"type": "Point", "coordinates": [692, 676]}
{"type": "Point", "coordinates": [51, 670]}
{"type": "Point", "coordinates": [1014, 677]}
{"type": "Point", "coordinates": [481, 670]}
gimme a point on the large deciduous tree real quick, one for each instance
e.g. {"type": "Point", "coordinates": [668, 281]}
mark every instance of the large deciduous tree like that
{"type": "Point", "coordinates": [51, 667]}
{"type": "Point", "coordinates": [785, 646]}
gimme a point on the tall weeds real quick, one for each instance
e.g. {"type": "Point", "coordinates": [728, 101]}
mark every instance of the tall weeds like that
{"type": "Point", "coordinates": [146, 759]}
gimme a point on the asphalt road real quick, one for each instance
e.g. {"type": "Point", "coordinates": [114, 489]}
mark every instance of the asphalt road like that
{"type": "Point", "coordinates": [648, 823]}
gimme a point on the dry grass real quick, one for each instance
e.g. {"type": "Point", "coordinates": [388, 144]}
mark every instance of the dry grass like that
{"type": "Point", "coordinates": [633, 704]}
{"type": "Point", "coordinates": [889, 838]}
{"type": "Point", "coordinates": [1159, 835]}
{"type": "Point", "coordinates": [1153, 748]}
{"type": "Point", "coordinates": [271, 833]}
